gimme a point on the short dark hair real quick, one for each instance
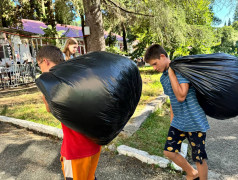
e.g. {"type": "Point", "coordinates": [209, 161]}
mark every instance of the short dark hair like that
{"type": "Point", "coordinates": [154, 52]}
{"type": "Point", "coordinates": [52, 53]}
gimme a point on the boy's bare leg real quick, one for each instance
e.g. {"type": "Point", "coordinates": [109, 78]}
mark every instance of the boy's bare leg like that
{"type": "Point", "coordinates": [202, 169]}
{"type": "Point", "coordinates": [183, 163]}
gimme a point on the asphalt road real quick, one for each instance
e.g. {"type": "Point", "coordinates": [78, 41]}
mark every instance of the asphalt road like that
{"type": "Point", "coordinates": [222, 147]}
{"type": "Point", "coordinates": [28, 156]}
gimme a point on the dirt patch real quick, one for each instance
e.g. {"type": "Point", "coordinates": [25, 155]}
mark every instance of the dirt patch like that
{"type": "Point", "coordinates": [20, 95]}
{"type": "Point", "coordinates": [25, 98]}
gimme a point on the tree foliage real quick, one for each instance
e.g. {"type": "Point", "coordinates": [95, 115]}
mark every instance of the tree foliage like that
{"type": "Point", "coordinates": [235, 25]}
{"type": "Point", "coordinates": [119, 16]}
{"type": "Point", "coordinates": [229, 22]}
{"type": "Point", "coordinates": [227, 40]}
{"type": "Point", "coordinates": [235, 17]}
{"type": "Point", "coordinates": [9, 15]}
{"type": "Point", "coordinates": [182, 27]}
{"type": "Point", "coordinates": [64, 11]}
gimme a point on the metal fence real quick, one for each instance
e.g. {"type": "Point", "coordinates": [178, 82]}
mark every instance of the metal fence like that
{"type": "Point", "coordinates": [16, 75]}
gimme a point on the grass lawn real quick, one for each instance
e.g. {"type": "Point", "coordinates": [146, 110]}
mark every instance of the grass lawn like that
{"type": "Point", "coordinates": [152, 135]}
{"type": "Point", "coordinates": [151, 87]}
{"type": "Point", "coordinates": [28, 107]}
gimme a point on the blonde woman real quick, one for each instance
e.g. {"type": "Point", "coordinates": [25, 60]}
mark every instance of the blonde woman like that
{"type": "Point", "coordinates": [70, 48]}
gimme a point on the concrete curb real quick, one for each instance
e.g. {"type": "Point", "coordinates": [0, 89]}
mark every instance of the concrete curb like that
{"type": "Point", "coordinates": [34, 126]}
{"type": "Point", "coordinates": [163, 162]}
{"type": "Point", "coordinates": [151, 159]}
{"type": "Point", "coordinates": [134, 124]}
{"type": "Point", "coordinates": [143, 156]}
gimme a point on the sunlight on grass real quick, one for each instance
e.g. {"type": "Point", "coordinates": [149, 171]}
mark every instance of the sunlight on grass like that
{"type": "Point", "coordinates": [152, 135]}
{"type": "Point", "coordinates": [31, 112]}
{"type": "Point", "coordinates": [151, 87]}
{"type": "Point", "coordinates": [19, 99]}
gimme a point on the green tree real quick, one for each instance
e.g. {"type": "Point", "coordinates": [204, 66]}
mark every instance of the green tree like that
{"type": "Point", "coordinates": [9, 14]}
{"type": "Point", "coordinates": [178, 26]}
{"type": "Point", "coordinates": [228, 38]}
{"type": "Point", "coordinates": [111, 40]}
{"type": "Point", "coordinates": [235, 25]}
{"type": "Point", "coordinates": [229, 22]}
{"type": "Point", "coordinates": [116, 19]}
{"type": "Point", "coordinates": [31, 9]}
{"type": "Point", "coordinates": [64, 12]}
{"type": "Point", "coordinates": [121, 15]}
{"type": "Point", "coordinates": [79, 12]}
{"type": "Point", "coordinates": [235, 17]}
{"type": "Point", "coordinates": [216, 20]}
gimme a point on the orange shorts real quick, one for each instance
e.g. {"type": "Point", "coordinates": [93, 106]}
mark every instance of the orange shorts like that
{"type": "Point", "coordinates": [80, 169]}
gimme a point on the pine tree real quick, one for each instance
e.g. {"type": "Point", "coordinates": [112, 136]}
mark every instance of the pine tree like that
{"type": "Point", "coordinates": [229, 22]}
{"type": "Point", "coordinates": [235, 18]}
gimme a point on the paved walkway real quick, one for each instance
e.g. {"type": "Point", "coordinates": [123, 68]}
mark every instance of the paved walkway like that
{"type": "Point", "coordinates": [222, 147]}
{"type": "Point", "coordinates": [28, 156]}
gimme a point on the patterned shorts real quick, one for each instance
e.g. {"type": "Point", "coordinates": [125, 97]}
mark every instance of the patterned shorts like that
{"type": "Point", "coordinates": [196, 140]}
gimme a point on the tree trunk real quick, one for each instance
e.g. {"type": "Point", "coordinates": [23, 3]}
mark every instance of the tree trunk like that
{"type": "Point", "coordinates": [110, 39]}
{"type": "Point", "coordinates": [43, 7]}
{"type": "Point", "coordinates": [124, 37]}
{"type": "Point", "coordinates": [32, 9]}
{"type": "Point", "coordinates": [51, 20]}
{"type": "Point", "coordinates": [1, 10]}
{"type": "Point", "coordinates": [51, 15]}
{"type": "Point", "coordinates": [93, 18]}
{"type": "Point", "coordinates": [82, 25]}
{"type": "Point", "coordinates": [1, 13]}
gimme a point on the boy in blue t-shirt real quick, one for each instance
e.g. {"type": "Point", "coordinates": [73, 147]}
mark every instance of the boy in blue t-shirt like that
{"type": "Point", "coordinates": [188, 119]}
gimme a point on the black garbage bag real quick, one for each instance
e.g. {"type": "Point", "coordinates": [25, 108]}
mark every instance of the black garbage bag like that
{"type": "Point", "coordinates": [215, 78]}
{"type": "Point", "coordinates": [94, 94]}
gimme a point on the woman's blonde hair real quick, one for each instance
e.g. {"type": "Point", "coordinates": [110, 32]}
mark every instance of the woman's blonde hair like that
{"type": "Point", "coordinates": [66, 51]}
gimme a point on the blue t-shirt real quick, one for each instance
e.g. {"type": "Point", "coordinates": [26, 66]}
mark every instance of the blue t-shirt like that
{"type": "Point", "coordinates": [188, 115]}
{"type": "Point", "coordinates": [69, 58]}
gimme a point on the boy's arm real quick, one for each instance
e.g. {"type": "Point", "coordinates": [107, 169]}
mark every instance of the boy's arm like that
{"type": "Point", "coordinates": [180, 90]}
{"type": "Point", "coordinates": [46, 104]}
{"type": "Point", "coordinates": [171, 114]}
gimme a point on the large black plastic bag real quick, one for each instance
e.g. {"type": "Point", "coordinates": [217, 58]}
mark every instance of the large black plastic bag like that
{"type": "Point", "coordinates": [95, 94]}
{"type": "Point", "coordinates": [215, 77]}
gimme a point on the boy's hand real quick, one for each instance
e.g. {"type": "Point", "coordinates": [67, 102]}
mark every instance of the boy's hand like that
{"type": "Point", "coordinates": [180, 90]}
{"type": "Point", "coordinates": [170, 70]}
